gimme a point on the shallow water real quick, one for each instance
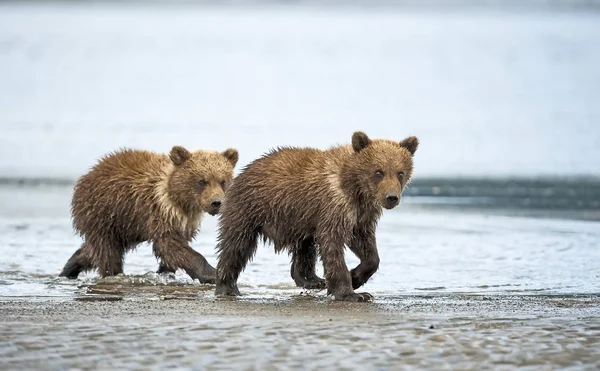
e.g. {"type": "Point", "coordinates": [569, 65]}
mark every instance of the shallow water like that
{"type": "Point", "coordinates": [426, 246]}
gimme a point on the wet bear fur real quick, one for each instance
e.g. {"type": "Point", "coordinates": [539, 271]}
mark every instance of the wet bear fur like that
{"type": "Point", "coordinates": [133, 196]}
{"type": "Point", "coordinates": [313, 203]}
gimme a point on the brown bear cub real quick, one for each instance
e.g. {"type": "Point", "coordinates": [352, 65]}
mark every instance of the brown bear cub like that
{"type": "Point", "coordinates": [311, 201]}
{"type": "Point", "coordinates": [133, 196]}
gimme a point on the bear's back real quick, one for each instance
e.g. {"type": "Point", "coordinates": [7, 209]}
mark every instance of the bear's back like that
{"type": "Point", "coordinates": [130, 163]}
{"type": "Point", "coordinates": [287, 191]}
{"type": "Point", "coordinates": [295, 162]}
{"type": "Point", "coordinates": [122, 184]}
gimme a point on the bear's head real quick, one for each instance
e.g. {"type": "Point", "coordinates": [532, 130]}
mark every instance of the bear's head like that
{"type": "Point", "coordinates": [379, 169]}
{"type": "Point", "coordinates": [199, 179]}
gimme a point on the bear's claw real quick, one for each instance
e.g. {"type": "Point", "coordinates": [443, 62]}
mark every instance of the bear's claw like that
{"type": "Point", "coordinates": [203, 272]}
{"type": "Point", "coordinates": [315, 284]}
{"type": "Point", "coordinates": [207, 279]}
{"type": "Point", "coordinates": [162, 268]}
{"type": "Point", "coordinates": [226, 290]}
{"type": "Point", "coordinates": [312, 283]}
{"type": "Point", "coordinates": [356, 297]}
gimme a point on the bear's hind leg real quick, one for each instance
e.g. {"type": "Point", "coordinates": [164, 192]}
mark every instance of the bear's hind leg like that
{"type": "Point", "coordinates": [108, 257]}
{"type": "Point", "coordinates": [79, 262]}
{"type": "Point", "coordinates": [304, 261]}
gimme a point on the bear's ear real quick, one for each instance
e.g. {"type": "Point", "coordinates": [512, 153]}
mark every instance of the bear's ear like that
{"type": "Point", "coordinates": [411, 144]}
{"type": "Point", "coordinates": [231, 154]}
{"type": "Point", "coordinates": [360, 141]}
{"type": "Point", "coordinates": [179, 155]}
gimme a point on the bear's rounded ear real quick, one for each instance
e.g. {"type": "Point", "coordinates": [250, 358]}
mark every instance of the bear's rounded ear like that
{"type": "Point", "coordinates": [411, 144]}
{"type": "Point", "coordinates": [232, 155]}
{"type": "Point", "coordinates": [360, 141]}
{"type": "Point", "coordinates": [179, 155]}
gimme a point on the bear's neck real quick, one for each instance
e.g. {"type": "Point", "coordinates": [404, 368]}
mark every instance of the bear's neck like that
{"type": "Point", "coordinates": [190, 209]}
{"type": "Point", "coordinates": [368, 210]}
{"type": "Point", "coordinates": [175, 202]}
{"type": "Point", "coordinates": [351, 185]}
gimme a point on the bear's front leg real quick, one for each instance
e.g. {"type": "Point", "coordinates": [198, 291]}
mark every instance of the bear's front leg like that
{"type": "Point", "coordinates": [175, 252]}
{"type": "Point", "coordinates": [363, 244]}
{"type": "Point", "coordinates": [337, 276]}
{"type": "Point", "coordinates": [237, 245]}
{"type": "Point", "coordinates": [201, 269]}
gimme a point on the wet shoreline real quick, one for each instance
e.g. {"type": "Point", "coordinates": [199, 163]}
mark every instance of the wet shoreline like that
{"type": "Point", "coordinates": [451, 305]}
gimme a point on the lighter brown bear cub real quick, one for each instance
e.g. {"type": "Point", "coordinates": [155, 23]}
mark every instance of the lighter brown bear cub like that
{"type": "Point", "coordinates": [133, 196]}
{"type": "Point", "coordinates": [311, 202]}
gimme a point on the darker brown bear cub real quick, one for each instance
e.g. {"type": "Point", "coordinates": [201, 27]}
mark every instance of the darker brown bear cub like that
{"type": "Point", "coordinates": [133, 196]}
{"type": "Point", "coordinates": [312, 201]}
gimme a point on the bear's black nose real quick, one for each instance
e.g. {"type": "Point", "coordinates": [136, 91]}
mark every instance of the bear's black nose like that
{"type": "Point", "coordinates": [392, 199]}
{"type": "Point", "coordinates": [216, 204]}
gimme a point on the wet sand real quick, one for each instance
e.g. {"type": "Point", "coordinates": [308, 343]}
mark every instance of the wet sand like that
{"type": "Point", "coordinates": [304, 331]}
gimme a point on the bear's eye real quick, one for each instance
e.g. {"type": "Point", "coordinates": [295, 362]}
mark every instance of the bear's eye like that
{"type": "Point", "coordinates": [401, 175]}
{"type": "Point", "coordinates": [202, 183]}
{"type": "Point", "coordinates": [223, 184]}
{"type": "Point", "coordinates": [379, 174]}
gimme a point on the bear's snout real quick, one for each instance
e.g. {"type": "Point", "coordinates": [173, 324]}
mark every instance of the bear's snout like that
{"type": "Point", "coordinates": [215, 206]}
{"type": "Point", "coordinates": [391, 200]}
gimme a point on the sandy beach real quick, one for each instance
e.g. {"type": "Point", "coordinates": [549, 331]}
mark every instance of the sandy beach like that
{"type": "Point", "coordinates": [304, 332]}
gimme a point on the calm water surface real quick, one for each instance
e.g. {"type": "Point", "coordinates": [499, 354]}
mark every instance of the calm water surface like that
{"type": "Point", "coordinates": [424, 247]}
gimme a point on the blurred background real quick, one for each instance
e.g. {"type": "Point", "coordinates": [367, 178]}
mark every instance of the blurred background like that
{"type": "Point", "coordinates": [494, 89]}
